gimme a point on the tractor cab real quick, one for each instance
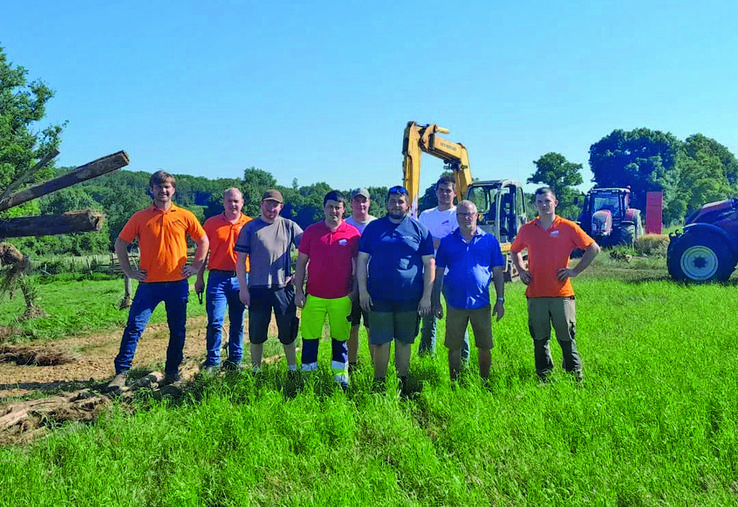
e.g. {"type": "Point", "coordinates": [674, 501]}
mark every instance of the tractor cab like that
{"type": "Point", "coordinates": [608, 217]}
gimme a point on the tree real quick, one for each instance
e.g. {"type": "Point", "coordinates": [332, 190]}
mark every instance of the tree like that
{"type": "Point", "coordinates": [708, 172]}
{"type": "Point", "coordinates": [643, 159]}
{"type": "Point", "coordinates": [255, 183]}
{"type": "Point", "coordinates": [562, 176]}
{"type": "Point", "coordinates": [22, 106]}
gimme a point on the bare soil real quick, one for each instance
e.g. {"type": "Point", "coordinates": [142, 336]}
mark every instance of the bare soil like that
{"type": "Point", "coordinates": [92, 360]}
{"type": "Point", "coordinates": [42, 386]}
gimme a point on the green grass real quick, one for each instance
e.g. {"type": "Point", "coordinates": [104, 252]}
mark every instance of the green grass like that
{"type": "Point", "coordinates": [655, 423]}
{"type": "Point", "coordinates": [76, 306]}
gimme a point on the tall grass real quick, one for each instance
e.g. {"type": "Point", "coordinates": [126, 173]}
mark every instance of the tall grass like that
{"type": "Point", "coordinates": [655, 423]}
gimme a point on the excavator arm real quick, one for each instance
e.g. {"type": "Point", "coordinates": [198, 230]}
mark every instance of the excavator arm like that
{"type": "Point", "coordinates": [420, 139]}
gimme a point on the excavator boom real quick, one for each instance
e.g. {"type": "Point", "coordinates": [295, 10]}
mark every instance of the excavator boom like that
{"type": "Point", "coordinates": [419, 139]}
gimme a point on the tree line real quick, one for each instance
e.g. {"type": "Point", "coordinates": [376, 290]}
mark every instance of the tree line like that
{"type": "Point", "coordinates": [689, 172]}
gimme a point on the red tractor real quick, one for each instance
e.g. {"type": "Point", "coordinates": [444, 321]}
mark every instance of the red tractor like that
{"type": "Point", "coordinates": [707, 249]}
{"type": "Point", "coordinates": [608, 217]}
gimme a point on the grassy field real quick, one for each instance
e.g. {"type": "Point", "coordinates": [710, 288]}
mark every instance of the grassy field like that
{"type": "Point", "coordinates": [75, 305]}
{"type": "Point", "coordinates": [655, 422]}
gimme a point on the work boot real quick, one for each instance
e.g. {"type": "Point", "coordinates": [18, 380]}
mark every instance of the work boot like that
{"type": "Point", "coordinates": [118, 382]}
{"type": "Point", "coordinates": [231, 366]}
{"type": "Point", "coordinates": [171, 378]}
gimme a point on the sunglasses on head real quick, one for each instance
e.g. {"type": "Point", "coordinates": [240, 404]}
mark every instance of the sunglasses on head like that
{"type": "Point", "coordinates": [397, 190]}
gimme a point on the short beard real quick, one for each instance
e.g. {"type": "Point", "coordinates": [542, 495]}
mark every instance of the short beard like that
{"type": "Point", "coordinates": [394, 216]}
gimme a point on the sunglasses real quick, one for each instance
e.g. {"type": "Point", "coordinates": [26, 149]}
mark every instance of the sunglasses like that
{"type": "Point", "coordinates": [397, 190]}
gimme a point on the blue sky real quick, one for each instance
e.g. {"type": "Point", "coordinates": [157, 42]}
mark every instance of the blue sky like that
{"type": "Point", "coordinates": [321, 91]}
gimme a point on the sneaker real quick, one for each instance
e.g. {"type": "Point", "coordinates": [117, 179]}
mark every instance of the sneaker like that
{"type": "Point", "coordinates": [118, 382]}
{"type": "Point", "coordinates": [342, 380]}
{"type": "Point", "coordinates": [171, 379]}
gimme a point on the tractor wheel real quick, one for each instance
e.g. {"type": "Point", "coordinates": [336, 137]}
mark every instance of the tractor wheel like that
{"type": "Point", "coordinates": [699, 258]}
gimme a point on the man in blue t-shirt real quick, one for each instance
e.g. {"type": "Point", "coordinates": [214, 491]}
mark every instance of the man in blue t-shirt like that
{"type": "Point", "coordinates": [396, 285]}
{"type": "Point", "coordinates": [474, 260]}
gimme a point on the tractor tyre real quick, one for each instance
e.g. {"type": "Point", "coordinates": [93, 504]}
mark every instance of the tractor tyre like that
{"type": "Point", "coordinates": [699, 258]}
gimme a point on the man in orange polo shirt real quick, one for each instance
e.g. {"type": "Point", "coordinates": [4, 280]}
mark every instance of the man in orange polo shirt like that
{"type": "Point", "coordinates": [162, 231]}
{"type": "Point", "coordinates": [222, 288]}
{"type": "Point", "coordinates": [550, 240]}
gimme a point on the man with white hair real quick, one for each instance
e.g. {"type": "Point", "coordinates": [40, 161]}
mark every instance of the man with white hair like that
{"type": "Point", "coordinates": [222, 287]}
{"type": "Point", "coordinates": [471, 260]}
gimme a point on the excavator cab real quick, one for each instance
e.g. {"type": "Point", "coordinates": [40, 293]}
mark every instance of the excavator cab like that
{"type": "Point", "coordinates": [501, 207]}
{"type": "Point", "coordinates": [500, 203]}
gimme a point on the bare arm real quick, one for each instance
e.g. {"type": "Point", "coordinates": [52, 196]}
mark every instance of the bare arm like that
{"type": "Point", "coordinates": [354, 281]}
{"type": "Point", "coordinates": [202, 251]}
{"type": "Point", "coordinates": [299, 279]}
{"type": "Point", "coordinates": [436, 307]}
{"type": "Point", "coordinates": [121, 250]}
{"type": "Point", "coordinates": [498, 278]}
{"type": "Point", "coordinates": [429, 276]}
{"type": "Point", "coordinates": [517, 259]}
{"type": "Point", "coordinates": [365, 300]}
{"type": "Point", "coordinates": [243, 288]}
{"type": "Point", "coordinates": [200, 281]}
{"type": "Point", "coordinates": [589, 254]}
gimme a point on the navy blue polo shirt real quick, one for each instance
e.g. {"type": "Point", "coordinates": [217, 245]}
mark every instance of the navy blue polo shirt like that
{"type": "Point", "coordinates": [396, 250]}
{"type": "Point", "coordinates": [469, 274]}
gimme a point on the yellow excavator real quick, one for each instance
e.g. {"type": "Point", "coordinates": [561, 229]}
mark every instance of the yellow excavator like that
{"type": "Point", "coordinates": [500, 203]}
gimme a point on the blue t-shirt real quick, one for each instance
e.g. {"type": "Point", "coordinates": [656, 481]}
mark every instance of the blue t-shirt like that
{"type": "Point", "coordinates": [397, 250]}
{"type": "Point", "coordinates": [466, 284]}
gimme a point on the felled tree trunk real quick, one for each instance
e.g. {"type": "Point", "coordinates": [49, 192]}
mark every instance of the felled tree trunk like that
{"type": "Point", "coordinates": [47, 225]}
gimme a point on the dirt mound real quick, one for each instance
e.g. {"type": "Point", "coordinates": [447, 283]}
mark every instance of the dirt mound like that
{"type": "Point", "coordinates": [44, 356]}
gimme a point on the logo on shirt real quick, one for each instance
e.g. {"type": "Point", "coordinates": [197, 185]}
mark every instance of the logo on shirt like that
{"type": "Point", "coordinates": [554, 234]}
{"type": "Point", "coordinates": [343, 242]}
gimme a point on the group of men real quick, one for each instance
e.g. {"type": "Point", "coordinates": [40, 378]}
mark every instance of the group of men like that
{"type": "Point", "coordinates": [388, 271]}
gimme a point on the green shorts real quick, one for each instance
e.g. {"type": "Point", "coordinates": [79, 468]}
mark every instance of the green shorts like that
{"type": "Point", "coordinates": [393, 320]}
{"type": "Point", "coordinates": [458, 319]}
{"type": "Point", "coordinates": [314, 314]}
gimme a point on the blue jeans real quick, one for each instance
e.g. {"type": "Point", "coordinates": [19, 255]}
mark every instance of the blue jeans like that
{"type": "Point", "coordinates": [147, 298]}
{"type": "Point", "coordinates": [222, 291]}
{"type": "Point", "coordinates": [428, 339]}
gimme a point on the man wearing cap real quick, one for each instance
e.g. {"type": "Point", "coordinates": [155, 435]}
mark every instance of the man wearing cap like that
{"type": "Point", "coordinates": [360, 217]}
{"type": "Point", "coordinates": [395, 271]}
{"type": "Point", "coordinates": [467, 261]}
{"type": "Point", "coordinates": [162, 231]}
{"type": "Point", "coordinates": [327, 254]}
{"type": "Point", "coordinates": [440, 221]}
{"type": "Point", "coordinates": [268, 241]}
{"type": "Point", "coordinates": [222, 287]}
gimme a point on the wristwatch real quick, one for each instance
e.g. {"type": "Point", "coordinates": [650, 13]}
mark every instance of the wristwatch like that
{"type": "Point", "coordinates": [501, 300]}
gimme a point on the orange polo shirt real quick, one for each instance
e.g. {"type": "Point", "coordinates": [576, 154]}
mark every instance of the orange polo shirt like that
{"type": "Point", "coordinates": [548, 251]}
{"type": "Point", "coordinates": [223, 235]}
{"type": "Point", "coordinates": [162, 240]}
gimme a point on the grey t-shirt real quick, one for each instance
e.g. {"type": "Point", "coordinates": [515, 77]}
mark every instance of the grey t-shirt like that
{"type": "Point", "coordinates": [359, 225]}
{"type": "Point", "coordinates": [268, 246]}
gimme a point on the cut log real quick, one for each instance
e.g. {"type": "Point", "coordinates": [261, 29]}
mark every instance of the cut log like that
{"type": "Point", "coordinates": [73, 221]}
{"type": "Point", "coordinates": [29, 174]}
{"type": "Point", "coordinates": [85, 172]}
